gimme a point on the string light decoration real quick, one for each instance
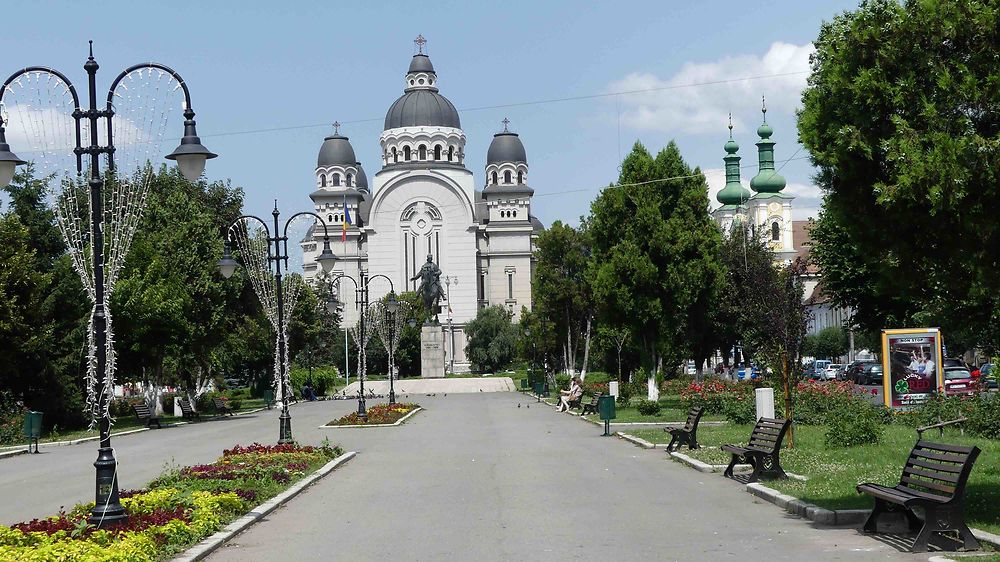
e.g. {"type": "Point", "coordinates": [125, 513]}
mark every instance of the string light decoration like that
{"type": "Point", "coordinates": [41, 107]}
{"type": "Point", "coordinates": [98, 198]}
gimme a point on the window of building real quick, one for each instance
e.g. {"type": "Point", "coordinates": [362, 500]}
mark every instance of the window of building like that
{"type": "Point", "coordinates": [322, 180]}
{"type": "Point", "coordinates": [775, 232]}
{"type": "Point", "coordinates": [422, 152]}
{"type": "Point", "coordinates": [506, 177]}
{"type": "Point", "coordinates": [336, 180]}
{"type": "Point", "coordinates": [395, 155]}
{"type": "Point", "coordinates": [494, 178]}
{"type": "Point", "coordinates": [451, 153]}
{"type": "Point", "coordinates": [350, 179]}
{"type": "Point", "coordinates": [520, 178]}
{"type": "Point", "coordinates": [406, 153]}
{"type": "Point", "coordinates": [482, 286]}
{"type": "Point", "coordinates": [329, 219]}
{"type": "Point", "coordinates": [437, 152]}
{"type": "Point", "coordinates": [510, 284]}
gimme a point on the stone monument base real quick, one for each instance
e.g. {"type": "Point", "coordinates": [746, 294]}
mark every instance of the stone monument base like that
{"type": "Point", "coordinates": [432, 351]}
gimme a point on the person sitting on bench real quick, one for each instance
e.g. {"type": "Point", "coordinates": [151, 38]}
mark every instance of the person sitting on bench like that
{"type": "Point", "coordinates": [572, 395]}
{"type": "Point", "coordinates": [308, 393]}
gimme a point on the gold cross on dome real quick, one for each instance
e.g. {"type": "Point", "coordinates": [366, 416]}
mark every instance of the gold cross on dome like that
{"type": "Point", "coordinates": [420, 41]}
{"type": "Point", "coordinates": [336, 127]}
{"type": "Point", "coordinates": [505, 123]}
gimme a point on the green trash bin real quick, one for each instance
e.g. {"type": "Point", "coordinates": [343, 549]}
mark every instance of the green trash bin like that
{"type": "Point", "coordinates": [539, 386]}
{"type": "Point", "coordinates": [606, 410]}
{"type": "Point", "coordinates": [268, 398]}
{"type": "Point", "coordinates": [524, 384]}
{"type": "Point", "coordinates": [33, 428]}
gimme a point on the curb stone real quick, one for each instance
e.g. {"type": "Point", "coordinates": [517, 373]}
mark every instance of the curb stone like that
{"type": "Point", "coordinates": [13, 453]}
{"type": "Point", "coordinates": [635, 440]}
{"type": "Point", "coordinates": [210, 544]}
{"type": "Point", "coordinates": [397, 422]}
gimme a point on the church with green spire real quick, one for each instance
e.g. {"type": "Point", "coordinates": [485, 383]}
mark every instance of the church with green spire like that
{"type": "Point", "coordinates": [768, 207]}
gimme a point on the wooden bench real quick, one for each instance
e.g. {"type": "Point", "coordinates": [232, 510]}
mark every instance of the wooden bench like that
{"type": "Point", "coordinates": [591, 408]}
{"type": "Point", "coordinates": [187, 411]}
{"type": "Point", "coordinates": [933, 479]}
{"type": "Point", "coordinates": [142, 412]}
{"type": "Point", "coordinates": [762, 452]}
{"type": "Point", "coordinates": [689, 433]}
{"type": "Point", "coordinates": [221, 407]}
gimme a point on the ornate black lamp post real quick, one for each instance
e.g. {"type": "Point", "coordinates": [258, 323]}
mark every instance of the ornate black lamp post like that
{"type": "Point", "coordinates": [227, 266]}
{"type": "Point", "coordinates": [361, 294]}
{"type": "Point", "coordinates": [190, 156]}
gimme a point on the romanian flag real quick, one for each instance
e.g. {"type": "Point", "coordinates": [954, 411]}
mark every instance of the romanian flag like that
{"type": "Point", "coordinates": [347, 221]}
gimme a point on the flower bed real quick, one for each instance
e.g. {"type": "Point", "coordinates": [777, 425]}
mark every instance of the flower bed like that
{"type": "Point", "coordinates": [175, 511]}
{"type": "Point", "coordinates": [379, 414]}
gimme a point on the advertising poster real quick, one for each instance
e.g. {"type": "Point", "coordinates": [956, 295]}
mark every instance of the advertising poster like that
{"type": "Point", "coordinates": [911, 361]}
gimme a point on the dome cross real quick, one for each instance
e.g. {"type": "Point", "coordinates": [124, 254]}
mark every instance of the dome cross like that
{"type": "Point", "coordinates": [505, 123]}
{"type": "Point", "coordinates": [336, 127]}
{"type": "Point", "coordinates": [420, 42]}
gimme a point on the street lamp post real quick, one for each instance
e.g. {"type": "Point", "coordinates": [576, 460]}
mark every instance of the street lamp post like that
{"type": "Point", "coordinates": [361, 294]}
{"type": "Point", "coordinates": [227, 266]}
{"type": "Point", "coordinates": [190, 156]}
{"type": "Point", "coordinates": [450, 280]}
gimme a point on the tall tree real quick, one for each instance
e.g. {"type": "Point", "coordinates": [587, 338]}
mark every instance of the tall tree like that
{"type": "Point", "coordinates": [656, 255]}
{"type": "Point", "coordinates": [560, 289]}
{"type": "Point", "coordinates": [492, 339]}
{"type": "Point", "coordinates": [900, 117]}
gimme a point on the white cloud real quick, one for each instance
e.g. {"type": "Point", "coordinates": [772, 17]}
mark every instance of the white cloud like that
{"type": "Point", "coordinates": [705, 109]}
{"type": "Point", "coordinates": [808, 197]}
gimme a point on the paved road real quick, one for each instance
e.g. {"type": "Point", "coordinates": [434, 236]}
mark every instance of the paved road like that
{"type": "Point", "coordinates": [476, 478]}
{"type": "Point", "coordinates": [37, 485]}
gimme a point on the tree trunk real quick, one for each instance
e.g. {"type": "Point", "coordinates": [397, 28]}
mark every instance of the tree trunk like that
{"type": "Point", "coordinates": [652, 392]}
{"type": "Point", "coordinates": [586, 351]}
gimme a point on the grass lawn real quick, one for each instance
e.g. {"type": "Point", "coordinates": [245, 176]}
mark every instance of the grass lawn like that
{"type": "Point", "coordinates": [833, 472]}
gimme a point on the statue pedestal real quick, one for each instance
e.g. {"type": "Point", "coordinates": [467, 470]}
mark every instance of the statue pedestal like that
{"type": "Point", "coordinates": [432, 351]}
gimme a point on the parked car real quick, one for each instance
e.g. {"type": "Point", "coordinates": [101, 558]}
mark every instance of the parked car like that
{"type": "Point", "coordinates": [986, 377]}
{"type": "Point", "coordinates": [830, 373]}
{"type": "Point", "coordinates": [868, 373]}
{"type": "Point", "coordinates": [741, 374]}
{"type": "Point", "coordinates": [953, 362]}
{"type": "Point", "coordinates": [958, 380]}
{"type": "Point", "coordinates": [818, 367]}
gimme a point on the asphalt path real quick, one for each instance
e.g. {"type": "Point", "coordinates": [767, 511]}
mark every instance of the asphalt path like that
{"type": "Point", "coordinates": [38, 485]}
{"type": "Point", "coordinates": [475, 477]}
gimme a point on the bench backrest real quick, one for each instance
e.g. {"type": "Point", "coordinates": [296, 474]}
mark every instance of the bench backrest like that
{"type": "Point", "coordinates": [595, 399]}
{"type": "Point", "coordinates": [768, 434]}
{"type": "Point", "coordinates": [219, 402]}
{"type": "Point", "coordinates": [937, 469]}
{"type": "Point", "coordinates": [693, 416]}
{"type": "Point", "coordinates": [185, 405]}
{"type": "Point", "coordinates": [142, 410]}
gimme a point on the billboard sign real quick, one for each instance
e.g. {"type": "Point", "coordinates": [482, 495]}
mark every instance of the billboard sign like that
{"type": "Point", "coordinates": [911, 366]}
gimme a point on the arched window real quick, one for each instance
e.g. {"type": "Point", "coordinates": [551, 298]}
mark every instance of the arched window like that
{"type": "Point", "coordinates": [422, 152]}
{"type": "Point", "coordinates": [775, 232]}
{"type": "Point", "coordinates": [494, 178]}
{"type": "Point", "coordinates": [451, 153]}
{"type": "Point", "coordinates": [322, 180]}
{"type": "Point", "coordinates": [406, 153]}
{"type": "Point", "coordinates": [336, 180]}
{"type": "Point", "coordinates": [520, 177]}
{"type": "Point", "coordinates": [395, 155]}
{"type": "Point", "coordinates": [350, 179]}
{"type": "Point", "coordinates": [437, 152]}
{"type": "Point", "coordinates": [329, 219]}
{"type": "Point", "coordinates": [515, 213]}
{"type": "Point", "coordinates": [506, 177]}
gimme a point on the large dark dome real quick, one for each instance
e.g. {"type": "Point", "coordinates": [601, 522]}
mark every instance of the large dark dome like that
{"type": "Point", "coordinates": [417, 108]}
{"type": "Point", "coordinates": [506, 147]}
{"type": "Point", "coordinates": [336, 151]}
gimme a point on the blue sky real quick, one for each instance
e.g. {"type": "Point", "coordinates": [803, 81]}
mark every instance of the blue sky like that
{"type": "Point", "coordinates": [302, 65]}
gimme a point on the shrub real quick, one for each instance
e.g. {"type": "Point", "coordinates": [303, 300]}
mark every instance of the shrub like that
{"type": "Point", "coordinates": [740, 408]}
{"type": "Point", "coordinates": [648, 407]}
{"type": "Point", "coordinates": [324, 379]}
{"type": "Point", "coordinates": [122, 407]}
{"type": "Point", "coordinates": [595, 388]}
{"type": "Point", "coordinates": [677, 384]}
{"type": "Point", "coordinates": [855, 422]}
{"type": "Point", "coordinates": [815, 400]}
{"type": "Point", "coordinates": [982, 412]}
{"type": "Point", "coordinates": [235, 403]}
{"type": "Point", "coordinates": [204, 402]}
{"type": "Point", "coordinates": [11, 422]}
{"type": "Point", "coordinates": [712, 394]}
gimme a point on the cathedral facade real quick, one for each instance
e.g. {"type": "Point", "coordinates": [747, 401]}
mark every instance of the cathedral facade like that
{"type": "Point", "coordinates": [424, 202]}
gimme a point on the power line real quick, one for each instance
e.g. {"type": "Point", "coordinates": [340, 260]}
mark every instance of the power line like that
{"type": "Point", "coordinates": [524, 103]}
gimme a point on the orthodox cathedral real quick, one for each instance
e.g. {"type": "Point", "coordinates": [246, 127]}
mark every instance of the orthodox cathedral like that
{"type": "Point", "coordinates": [767, 207]}
{"type": "Point", "coordinates": [422, 202]}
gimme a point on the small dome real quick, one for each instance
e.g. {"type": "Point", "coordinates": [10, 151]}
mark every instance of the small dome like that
{"type": "Point", "coordinates": [418, 108]}
{"type": "Point", "coordinates": [765, 131]}
{"type": "Point", "coordinates": [336, 151]}
{"type": "Point", "coordinates": [420, 63]}
{"type": "Point", "coordinates": [506, 147]}
{"type": "Point", "coordinates": [731, 146]}
{"type": "Point", "coordinates": [361, 180]}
